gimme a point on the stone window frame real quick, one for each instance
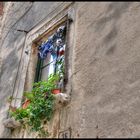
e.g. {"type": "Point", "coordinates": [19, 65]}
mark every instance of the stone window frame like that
{"type": "Point", "coordinates": [38, 43]}
{"type": "Point", "coordinates": [65, 12]}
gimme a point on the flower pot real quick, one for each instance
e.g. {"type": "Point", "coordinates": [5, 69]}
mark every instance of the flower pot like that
{"type": "Point", "coordinates": [56, 91]}
{"type": "Point", "coordinates": [26, 103]}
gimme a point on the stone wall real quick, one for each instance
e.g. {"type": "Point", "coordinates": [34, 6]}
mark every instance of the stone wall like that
{"type": "Point", "coordinates": [12, 43]}
{"type": "Point", "coordinates": [106, 93]}
{"type": "Point", "coordinates": [104, 65]}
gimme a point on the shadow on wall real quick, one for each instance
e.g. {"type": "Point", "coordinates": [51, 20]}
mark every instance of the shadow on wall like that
{"type": "Point", "coordinates": [1, 8]}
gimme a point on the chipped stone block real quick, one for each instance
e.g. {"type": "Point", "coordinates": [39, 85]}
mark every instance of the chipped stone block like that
{"type": "Point", "coordinates": [61, 100]}
{"type": "Point", "coordinates": [11, 123]}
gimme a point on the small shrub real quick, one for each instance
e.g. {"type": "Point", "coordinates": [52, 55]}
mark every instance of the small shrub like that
{"type": "Point", "coordinates": [40, 107]}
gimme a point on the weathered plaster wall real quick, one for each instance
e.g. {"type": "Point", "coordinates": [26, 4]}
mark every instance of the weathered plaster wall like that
{"type": "Point", "coordinates": [23, 16]}
{"type": "Point", "coordinates": [105, 62]}
{"type": "Point", "coordinates": [106, 93]}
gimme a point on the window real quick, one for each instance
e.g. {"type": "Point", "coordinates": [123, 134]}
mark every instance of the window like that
{"type": "Point", "coordinates": [51, 55]}
{"type": "Point", "coordinates": [30, 67]}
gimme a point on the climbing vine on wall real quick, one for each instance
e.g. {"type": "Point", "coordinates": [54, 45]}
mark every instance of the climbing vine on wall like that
{"type": "Point", "coordinates": [39, 103]}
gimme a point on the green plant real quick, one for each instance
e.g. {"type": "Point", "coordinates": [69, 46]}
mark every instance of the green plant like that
{"type": "Point", "coordinates": [41, 105]}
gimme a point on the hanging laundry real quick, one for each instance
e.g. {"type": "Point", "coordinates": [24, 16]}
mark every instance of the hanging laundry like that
{"type": "Point", "coordinates": [58, 42]}
{"type": "Point", "coordinates": [59, 34]}
{"type": "Point", "coordinates": [61, 31]}
{"type": "Point", "coordinates": [45, 48]}
{"type": "Point", "coordinates": [62, 50]}
{"type": "Point", "coordinates": [53, 44]}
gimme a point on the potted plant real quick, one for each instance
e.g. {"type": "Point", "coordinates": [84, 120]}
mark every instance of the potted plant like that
{"type": "Point", "coordinates": [56, 91]}
{"type": "Point", "coordinates": [26, 103]}
{"type": "Point", "coordinates": [37, 107]}
{"type": "Point", "coordinates": [39, 104]}
{"type": "Point", "coordinates": [54, 79]}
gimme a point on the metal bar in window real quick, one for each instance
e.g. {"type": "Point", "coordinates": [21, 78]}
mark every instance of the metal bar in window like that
{"type": "Point", "coordinates": [37, 70]}
{"type": "Point", "coordinates": [40, 73]}
{"type": "Point", "coordinates": [46, 65]}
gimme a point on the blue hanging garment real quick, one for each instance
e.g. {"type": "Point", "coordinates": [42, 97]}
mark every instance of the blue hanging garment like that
{"type": "Point", "coordinates": [45, 48]}
{"type": "Point", "coordinates": [50, 46]}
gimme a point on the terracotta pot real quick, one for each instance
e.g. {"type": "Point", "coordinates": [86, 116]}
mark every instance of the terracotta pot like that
{"type": "Point", "coordinates": [26, 103]}
{"type": "Point", "coordinates": [56, 91]}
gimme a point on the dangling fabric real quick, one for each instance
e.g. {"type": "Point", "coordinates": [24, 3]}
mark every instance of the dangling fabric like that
{"type": "Point", "coordinates": [53, 44]}
{"type": "Point", "coordinates": [45, 48]}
